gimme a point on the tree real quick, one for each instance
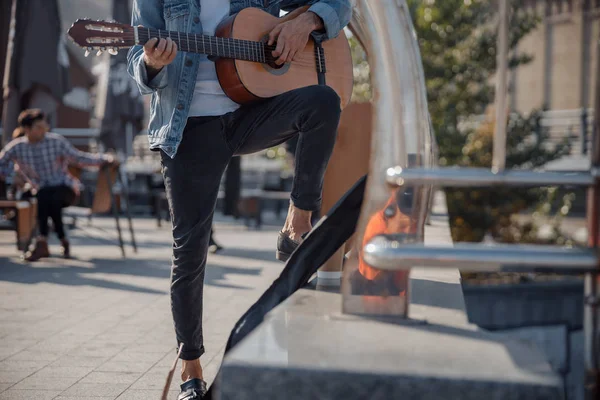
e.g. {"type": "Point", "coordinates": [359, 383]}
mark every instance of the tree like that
{"type": "Point", "coordinates": [457, 39]}
{"type": "Point", "coordinates": [475, 212]}
{"type": "Point", "coordinates": [362, 85]}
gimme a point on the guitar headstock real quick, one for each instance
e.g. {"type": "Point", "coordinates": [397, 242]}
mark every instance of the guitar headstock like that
{"type": "Point", "coordinates": [102, 36]}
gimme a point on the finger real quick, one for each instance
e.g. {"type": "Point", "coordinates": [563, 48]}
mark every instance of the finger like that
{"type": "Point", "coordinates": [280, 46]}
{"type": "Point", "coordinates": [160, 49]}
{"type": "Point", "coordinates": [292, 55]}
{"type": "Point", "coordinates": [274, 35]}
{"type": "Point", "coordinates": [168, 49]}
{"type": "Point", "coordinates": [150, 45]}
{"type": "Point", "coordinates": [173, 53]}
{"type": "Point", "coordinates": [281, 60]}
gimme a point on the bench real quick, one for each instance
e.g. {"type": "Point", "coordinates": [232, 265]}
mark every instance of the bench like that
{"type": "Point", "coordinates": [22, 218]}
{"type": "Point", "coordinates": [251, 203]}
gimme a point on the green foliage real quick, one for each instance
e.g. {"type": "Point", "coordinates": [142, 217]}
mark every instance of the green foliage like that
{"type": "Point", "coordinates": [362, 81]}
{"type": "Point", "coordinates": [474, 212]}
{"type": "Point", "coordinates": [457, 39]}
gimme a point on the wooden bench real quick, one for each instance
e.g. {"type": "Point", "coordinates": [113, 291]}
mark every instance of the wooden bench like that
{"type": "Point", "coordinates": [22, 216]}
{"type": "Point", "coordinates": [251, 203]}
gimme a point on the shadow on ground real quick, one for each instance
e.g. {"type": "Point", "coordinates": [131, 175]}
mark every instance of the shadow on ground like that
{"type": "Point", "coordinates": [81, 273]}
{"type": "Point", "coordinates": [263, 255]}
{"type": "Point", "coordinates": [437, 294]}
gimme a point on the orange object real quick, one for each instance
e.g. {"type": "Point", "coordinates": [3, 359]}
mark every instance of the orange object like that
{"type": "Point", "coordinates": [388, 220]}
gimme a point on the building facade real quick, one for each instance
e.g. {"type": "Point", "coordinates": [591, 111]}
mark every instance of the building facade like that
{"type": "Point", "coordinates": [561, 75]}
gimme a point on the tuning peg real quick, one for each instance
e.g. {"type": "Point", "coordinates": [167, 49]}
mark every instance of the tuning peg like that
{"type": "Point", "coordinates": [113, 51]}
{"type": "Point", "coordinates": [88, 51]}
{"type": "Point", "coordinates": [100, 51]}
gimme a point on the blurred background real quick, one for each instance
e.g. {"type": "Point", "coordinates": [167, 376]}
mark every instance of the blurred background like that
{"type": "Point", "coordinates": [552, 97]}
{"type": "Point", "coordinates": [94, 103]}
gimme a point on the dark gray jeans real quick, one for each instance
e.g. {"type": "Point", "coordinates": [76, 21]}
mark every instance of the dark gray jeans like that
{"type": "Point", "coordinates": [193, 176]}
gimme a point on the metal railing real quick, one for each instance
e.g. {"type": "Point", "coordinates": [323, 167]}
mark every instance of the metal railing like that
{"type": "Point", "coordinates": [390, 253]}
{"type": "Point", "coordinates": [577, 126]}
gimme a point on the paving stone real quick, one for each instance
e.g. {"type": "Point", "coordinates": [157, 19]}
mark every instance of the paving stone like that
{"type": "Point", "coordinates": [133, 394]}
{"type": "Point", "coordinates": [4, 386]}
{"type": "Point", "coordinates": [161, 348]}
{"type": "Point", "coordinates": [79, 361]}
{"type": "Point", "coordinates": [27, 355]}
{"type": "Point", "coordinates": [84, 398]}
{"type": "Point", "coordinates": [93, 350]}
{"type": "Point", "coordinates": [12, 394]}
{"type": "Point", "coordinates": [22, 365]}
{"type": "Point", "coordinates": [14, 376]}
{"type": "Point", "coordinates": [95, 389]}
{"type": "Point", "coordinates": [112, 377]}
{"type": "Point", "coordinates": [67, 372]}
{"type": "Point", "coordinates": [45, 383]}
{"type": "Point", "coordinates": [154, 381]}
{"type": "Point", "coordinates": [128, 356]}
{"type": "Point", "coordinates": [125, 366]}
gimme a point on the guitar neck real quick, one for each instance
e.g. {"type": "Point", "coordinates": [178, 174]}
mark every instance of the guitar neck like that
{"type": "Point", "coordinates": [209, 45]}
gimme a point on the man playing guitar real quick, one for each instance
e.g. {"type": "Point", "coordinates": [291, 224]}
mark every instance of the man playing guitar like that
{"type": "Point", "coordinates": [197, 130]}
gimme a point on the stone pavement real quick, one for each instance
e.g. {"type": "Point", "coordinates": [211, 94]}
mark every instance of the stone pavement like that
{"type": "Point", "coordinates": [99, 326]}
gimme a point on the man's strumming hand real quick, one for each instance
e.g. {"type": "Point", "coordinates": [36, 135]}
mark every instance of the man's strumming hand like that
{"type": "Point", "coordinates": [292, 36]}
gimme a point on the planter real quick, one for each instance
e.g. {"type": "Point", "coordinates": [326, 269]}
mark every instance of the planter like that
{"type": "Point", "coordinates": [516, 305]}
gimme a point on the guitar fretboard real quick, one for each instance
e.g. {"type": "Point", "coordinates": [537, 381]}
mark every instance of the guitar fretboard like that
{"type": "Point", "coordinates": [209, 45]}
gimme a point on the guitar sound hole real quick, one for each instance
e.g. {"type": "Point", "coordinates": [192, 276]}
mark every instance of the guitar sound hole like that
{"type": "Point", "coordinates": [271, 62]}
{"type": "Point", "coordinates": [275, 66]}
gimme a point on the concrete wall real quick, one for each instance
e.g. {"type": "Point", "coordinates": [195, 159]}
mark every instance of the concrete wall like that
{"type": "Point", "coordinates": [595, 30]}
{"type": "Point", "coordinates": [529, 84]}
{"type": "Point", "coordinates": [562, 72]}
{"type": "Point", "coordinates": [566, 64]}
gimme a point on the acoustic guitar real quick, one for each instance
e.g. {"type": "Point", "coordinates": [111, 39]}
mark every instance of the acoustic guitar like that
{"type": "Point", "coordinates": [244, 62]}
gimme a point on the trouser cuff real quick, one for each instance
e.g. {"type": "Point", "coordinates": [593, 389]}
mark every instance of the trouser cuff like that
{"type": "Point", "coordinates": [191, 354]}
{"type": "Point", "coordinates": [306, 205]}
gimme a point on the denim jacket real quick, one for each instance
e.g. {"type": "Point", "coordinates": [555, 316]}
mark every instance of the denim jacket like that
{"type": "Point", "coordinates": [172, 88]}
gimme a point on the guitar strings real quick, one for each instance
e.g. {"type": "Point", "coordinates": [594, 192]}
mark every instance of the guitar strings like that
{"type": "Point", "coordinates": [250, 48]}
{"type": "Point", "coordinates": [260, 58]}
{"type": "Point", "coordinates": [248, 54]}
{"type": "Point", "coordinates": [209, 38]}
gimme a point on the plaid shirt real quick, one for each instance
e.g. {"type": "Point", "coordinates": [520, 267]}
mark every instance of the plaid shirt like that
{"type": "Point", "coordinates": [46, 162]}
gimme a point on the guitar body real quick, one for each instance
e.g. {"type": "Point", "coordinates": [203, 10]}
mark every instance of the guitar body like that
{"type": "Point", "coordinates": [245, 81]}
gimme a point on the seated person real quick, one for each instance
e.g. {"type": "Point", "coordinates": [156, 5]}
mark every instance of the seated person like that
{"type": "Point", "coordinates": [44, 157]}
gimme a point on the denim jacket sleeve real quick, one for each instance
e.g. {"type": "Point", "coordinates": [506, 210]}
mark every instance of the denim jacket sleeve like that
{"type": "Point", "coordinates": [335, 14]}
{"type": "Point", "coordinates": [148, 13]}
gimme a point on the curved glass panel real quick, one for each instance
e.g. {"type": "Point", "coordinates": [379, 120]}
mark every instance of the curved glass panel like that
{"type": "Point", "coordinates": [402, 137]}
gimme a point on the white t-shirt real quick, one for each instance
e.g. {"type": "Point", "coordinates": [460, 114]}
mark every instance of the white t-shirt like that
{"type": "Point", "coordinates": [209, 98]}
